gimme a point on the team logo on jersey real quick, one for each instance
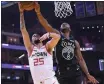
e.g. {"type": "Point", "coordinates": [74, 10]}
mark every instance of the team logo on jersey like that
{"type": "Point", "coordinates": [43, 54]}
{"type": "Point", "coordinates": [68, 52]}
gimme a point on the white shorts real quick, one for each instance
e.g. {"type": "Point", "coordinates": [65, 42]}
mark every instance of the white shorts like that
{"type": "Point", "coordinates": [52, 80]}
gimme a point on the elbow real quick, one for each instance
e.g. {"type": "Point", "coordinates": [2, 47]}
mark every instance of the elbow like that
{"type": "Point", "coordinates": [58, 36]}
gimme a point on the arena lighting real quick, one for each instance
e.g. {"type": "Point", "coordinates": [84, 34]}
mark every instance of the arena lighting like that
{"type": "Point", "coordinates": [8, 77]}
{"type": "Point", "coordinates": [20, 57]}
{"type": "Point", "coordinates": [86, 49]}
{"type": "Point", "coordinates": [101, 64]}
{"type": "Point", "coordinates": [97, 26]}
{"type": "Point", "coordinates": [11, 39]}
{"type": "Point", "coordinates": [15, 47]}
{"type": "Point", "coordinates": [102, 26]}
{"type": "Point", "coordinates": [83, 27]}
{"type": "Point", "coordinates": [23, 48]}
{"type": "Point", "coordinates": [92, 26]}
{"type": "Point", "coordinates": [5, 4]}
{"type": "Point", "coordinates": [88, 27]}
{"type": "Point", "coordinates": [12, 24]}
{"type": "Point", "coordinates": [15, 39]}
{"type": "Point", "coordinates": [26, 66]}
{"type": "Point", "coordinates": [99, 30]}
{"type": "Point", "coordinates": [3, 44]}
{"type": "Point", "coordinates": [18, 67]}
{"type": "Point", "coordinates": [17, 77]}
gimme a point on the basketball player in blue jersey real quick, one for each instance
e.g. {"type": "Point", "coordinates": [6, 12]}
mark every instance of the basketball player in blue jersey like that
{"type": "Point", "coordinates": [68, 54]}
{"type": "Point", "coordinates": [40, 56]}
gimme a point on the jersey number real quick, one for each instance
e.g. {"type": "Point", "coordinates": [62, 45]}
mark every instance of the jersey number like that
{"type": "Point", "coordinates": [38, 61]}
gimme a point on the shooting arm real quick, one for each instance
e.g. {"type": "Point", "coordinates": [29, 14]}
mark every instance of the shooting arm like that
{"type": "Point", "coordinates": [25, 34]}
{"type": "Point", "coordinates": [43, 21]}
{"type": "Point", "coordinates": [45, 24]}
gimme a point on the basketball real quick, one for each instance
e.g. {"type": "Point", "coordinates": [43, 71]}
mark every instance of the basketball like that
{"type": "Point", "coordinates": [27, 5]}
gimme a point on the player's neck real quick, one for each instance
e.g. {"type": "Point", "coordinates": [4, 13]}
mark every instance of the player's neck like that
{"type": "Point", "coordinates": [39, 45]}
{"type": "Point", "coordinates": [66, 35]}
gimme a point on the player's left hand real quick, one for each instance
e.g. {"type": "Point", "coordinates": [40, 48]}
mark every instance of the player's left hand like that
{"type": "Point", "coordinates": [44, 37]}
{"type": "Point", "coordinates": [91, 79]}
{"type": "Point", "coordinates": [37, 7]}
{"type": "Point", "coordinates": [20, 8]}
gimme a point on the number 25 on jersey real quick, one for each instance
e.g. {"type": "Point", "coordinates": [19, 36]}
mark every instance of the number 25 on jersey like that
{"type": "Point", "coordinates": [38, 61]}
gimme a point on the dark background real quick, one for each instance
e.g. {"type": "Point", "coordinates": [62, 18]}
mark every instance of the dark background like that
{"type": "Point", "coordinates": [87, 24]}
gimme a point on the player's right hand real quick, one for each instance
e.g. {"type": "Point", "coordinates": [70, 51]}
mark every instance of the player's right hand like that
{"type": "Point", "coordinates": [20, 8]}
{"type": "Point", "coordinates": [37, 7]}
{"type": "Point", "coordinates": [44, 37]}
{"type": "Point", "coordinates": [92, 80]}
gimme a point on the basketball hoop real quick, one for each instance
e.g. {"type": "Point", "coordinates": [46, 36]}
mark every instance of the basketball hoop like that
{"type": "Point", "coordinates": [62, 9]}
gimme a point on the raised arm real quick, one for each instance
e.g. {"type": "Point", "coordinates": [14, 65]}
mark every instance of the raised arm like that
{"type": "Point", "coordinates": [25, 35]}
{"type": "Point", "coordinates": [53, 42]}
{"type": "Point", "coordinates": [43, 21]}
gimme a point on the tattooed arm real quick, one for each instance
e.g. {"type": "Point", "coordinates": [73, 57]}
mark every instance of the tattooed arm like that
{"type": "Point", "coordinates": [25, 35]}
{"type": "Point", "coordinates": [43, 21]}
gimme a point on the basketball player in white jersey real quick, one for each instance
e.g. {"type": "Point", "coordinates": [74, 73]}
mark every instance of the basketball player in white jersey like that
{"type": "Point", "coordinates": [39, 55]}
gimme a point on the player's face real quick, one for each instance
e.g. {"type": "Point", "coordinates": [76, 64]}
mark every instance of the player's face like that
{"type": "Point", "coordinates": [35, 39]}
{"type": "Point", "coordinates": [65, 30]}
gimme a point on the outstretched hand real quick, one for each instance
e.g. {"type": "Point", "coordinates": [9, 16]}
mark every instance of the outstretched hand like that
{"type": "Point", "coordinates": [92, 80]}
{"type": "Point", "coordinates": [37, 7]}
{"type": "Point", "coordinates": [20, 8]}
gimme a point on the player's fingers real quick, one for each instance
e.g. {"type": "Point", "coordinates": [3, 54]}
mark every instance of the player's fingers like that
{"type": "Point", "coordinates": [19, 4]}
{"type": "Point", "coordinates": [89, 82]}
{"type": "Point", "coordinates": [37, 5]}
{"type": "Point", "coordinates": [92, 81]}
{"type": "Point", "coordinates": [96, 81]}
{"type": "Point", "coordinates": [41, 38]}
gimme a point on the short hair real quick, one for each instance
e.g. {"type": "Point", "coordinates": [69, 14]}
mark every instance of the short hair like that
{"type": "Point", "coordinates": [65, 26]}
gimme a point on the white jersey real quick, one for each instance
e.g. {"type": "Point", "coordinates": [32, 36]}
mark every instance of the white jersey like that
{"type": "Point", "coordinates": [41, 64]}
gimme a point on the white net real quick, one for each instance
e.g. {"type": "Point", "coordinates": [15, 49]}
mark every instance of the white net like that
{"type": "Point", "coordinates": [62, 9]}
